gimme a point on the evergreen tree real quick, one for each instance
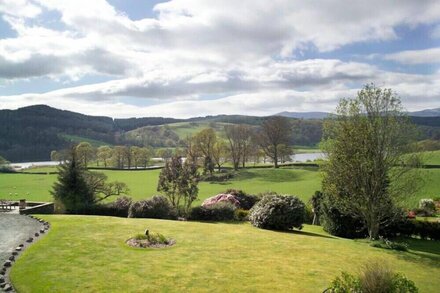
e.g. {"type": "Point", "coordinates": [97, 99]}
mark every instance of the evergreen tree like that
{"type": "Point", "coordinates": [71, 189]}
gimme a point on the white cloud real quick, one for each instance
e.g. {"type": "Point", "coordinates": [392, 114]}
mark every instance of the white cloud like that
{"type": "Point", "coordinates": [242, 50]}
{"type": "Point", "coordinates": [426, 56]}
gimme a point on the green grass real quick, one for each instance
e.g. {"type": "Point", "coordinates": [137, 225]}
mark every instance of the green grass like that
{"type": "Point", "coordinates": [142, 184]}
{"type": "Point", "coordinates": [431, 158]}
{"type": "Point", "coordinates": [302, 182]}
{"type": "Point", "coordinates": [88, 254]}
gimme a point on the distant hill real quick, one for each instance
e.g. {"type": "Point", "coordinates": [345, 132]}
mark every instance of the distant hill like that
{"type": "Point", "coordinates": [426, 113]}
{"type": "Point", "coordinates": [304, 115]}
{"type": "Point", "coordinates": [31, 133]}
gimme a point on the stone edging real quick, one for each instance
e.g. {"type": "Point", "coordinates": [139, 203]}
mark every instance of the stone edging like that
{"type": "Point", "coordinates": [5, 283]}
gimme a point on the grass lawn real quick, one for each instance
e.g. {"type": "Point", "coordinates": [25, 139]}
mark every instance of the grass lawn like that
{"type": "Point", "coordinates": [142, 184]}
{"type": "Point", "coordinates": [302, 182]}
{"type": "Point", "coordinates": [431, 158]}
{"type": "Point", "coordinates": [88, 254]}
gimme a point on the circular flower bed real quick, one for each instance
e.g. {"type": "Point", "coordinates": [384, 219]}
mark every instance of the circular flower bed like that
{"type": "Point", "coordinates": [154, 240]}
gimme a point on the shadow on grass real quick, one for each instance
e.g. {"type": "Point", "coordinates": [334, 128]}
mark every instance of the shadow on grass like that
{"type": "Point", "coordinates": [311, 234]}
{"type": "Point", "coordinates": [270, 175]}
{"type": "Point", "coordinates": [426, 246]}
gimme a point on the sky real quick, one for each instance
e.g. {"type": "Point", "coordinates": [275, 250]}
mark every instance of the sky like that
{"type": "Point", "coordinates": [187, 58]}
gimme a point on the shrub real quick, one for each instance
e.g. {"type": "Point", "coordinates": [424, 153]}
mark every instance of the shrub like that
{"type": "Point", "coordinates": [375, 277]}
{"type": "Point", "coordinates": [422, 229]}
{"type": "Point", "coordinates": [156, 207]}
{"type": "Point", "coordinates": [153, 238]}
{"type": "Point", "coordinates": [221, 211]}
{"type": "Point", "coordinates": [241, 215]}
{"type": "Point", "coordinates": [336, 223]}
{"type": "Point", "coordinates": [308, 215]}
{"type": "Point", "coordinates": [426, 208]}
{"type": "Point", "coordinates": [278, 212]}
{"type": "Point", "coordinates": [222, 197]}
{"type": "Point", "coordinates": [247, 201]}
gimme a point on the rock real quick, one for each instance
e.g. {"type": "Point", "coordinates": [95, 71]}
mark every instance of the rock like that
{"type": "Point", "coordinates": [30, 240]}
{"type": "Point", "coordinates": [18, 248]}
{"type": "Point", "coordinates": [7, 288]}
{"type": "Point", "coordinates": [14, 253]}
{"type": "Point", "coordinates": [21, 245]}
{"type": "Point", "coordinates": [7, 263]}
{"type": "Point", "coordinates": [3, 272]}
{"type": "Point", "coordinates": [2, 285]}
{"type": "Point", "coordinates": [2, 279]}
{"type": "Point", "coordinates": [36, 234]}
{"type": "Point", "coordinates": [12, 258]}
{"type": "Point", "coordinates": [42, 231]}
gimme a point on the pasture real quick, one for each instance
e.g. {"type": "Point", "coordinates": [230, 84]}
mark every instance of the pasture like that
{"type": "Point", "coordinates": [88, 253]}
{"type": "Point", "coordinates": [302, 182]}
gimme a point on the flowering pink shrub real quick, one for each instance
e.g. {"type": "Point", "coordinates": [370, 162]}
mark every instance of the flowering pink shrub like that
{"type": "Point", "coordinates": [222, 197]}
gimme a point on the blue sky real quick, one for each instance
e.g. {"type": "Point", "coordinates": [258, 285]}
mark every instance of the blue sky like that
{"type": "Point", "coordinates": [126, 58]}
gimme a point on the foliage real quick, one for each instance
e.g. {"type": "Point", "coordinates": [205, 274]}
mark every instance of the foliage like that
{"type": "Point", "coordinates": [153, 238]}
{"type": "Point", "coordinates": [339, 224]}
{"type": "Point", "coordinates": [157, 207]}
{"type": "Point", "coordinates": [241, 215]}
{"type": "Point", "coordinates": [278, 212]}
{"type": "Point", "coordinates": [419, 229]}
{"type": "Point", "coordinates": [71, 189]}
{"type": "Point", "coordinates": [239, 143]}
{"type": "Point", "coordinates": [85, 152]}
{"type": "Point", "coordinates": [427, 206]}
{"type": "Point", "coordinates": [375, 277]}
{"type": "Point", "coordinates": [179, 183]}
{"type": "Point", "coordinates": [222, 197]}
{"type": "Point", "coordinates": [316, 202]}
{"type": "Point", "coordinates": [364, 143]}
{"type": "Point", "coordinates": [222, 211]}
{"type": "Point", "coordinates": [274, 132]}
{"type": "Point", "coordinates": [246, 201]}
{"type": "Point", "coordinates": [101, 190]}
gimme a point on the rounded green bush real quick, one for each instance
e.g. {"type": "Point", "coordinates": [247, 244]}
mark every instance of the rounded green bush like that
{"type": "Point", "coordinates": [278, 212]}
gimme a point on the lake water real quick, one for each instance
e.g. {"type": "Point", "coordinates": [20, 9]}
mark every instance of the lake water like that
{"type": "Point", "coordinates": [26, 165]}
{"type": "Point", "coordinates": [302, 158]}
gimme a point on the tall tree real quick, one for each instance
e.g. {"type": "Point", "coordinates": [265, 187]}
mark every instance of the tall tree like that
{"type": "Point", "coordinates": [178, 181]}
{"type": "Point", "coordinates": [71, 189]}
{"type": "Point", "coordinates": [240, 140]}
{"type": "Point", "coordinates": [365, 143]}
{"type": "Point", "coordinates": [85, 152]}
{"type": "Point", "coordinates": [274, 132]}
{"type": "Point", "coordinates": [104, 154]}
{"type": "Point", "coordinates": [220, 153]}
{"type": "Point", "coordinates": [119, 156]}
{"type": "Point", "coordinates": [205, 141]}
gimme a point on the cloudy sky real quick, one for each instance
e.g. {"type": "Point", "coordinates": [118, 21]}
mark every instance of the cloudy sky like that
{"type": "Point", "coordinates": [184, 58]}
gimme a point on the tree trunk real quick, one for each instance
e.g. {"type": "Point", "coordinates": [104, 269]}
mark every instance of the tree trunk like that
{"type": "Point", "coordinates": [275, 157]}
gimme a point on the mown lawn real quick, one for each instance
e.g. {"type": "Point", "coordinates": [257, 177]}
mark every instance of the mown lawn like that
{"type": "Point", "coordinates": [302, 182]}
{"type": "Point", "coordinates": [88, 254]}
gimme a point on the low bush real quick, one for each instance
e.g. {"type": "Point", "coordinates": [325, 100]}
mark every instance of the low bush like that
{"type": "Point", "coordinates": [156, 207]}
{"type": "Point", "coordinates": [278, 212]}
{"type": "Point", "coordinates": [336, 223]}
{"type": "Point", "coordinates": [222, 211]}
{"type": "Point", "coordinates": [221, 198]}
{"type": "Point", "coordinates": [375, 277]}
{"type": "Point", "coordinates": [241, 215]}
{"type": "Point", "coordinates": [218, 177]}
{"type": "Point", "coordinates": [246, 201]}
{"type": "Point", "coordinates": [426, 208]}
{"type": "Point", "coordinates": [153, 238]}
{"type": "Point", "coordinates": [118, 208]}
{"type": "Point", "coordinates": [415, 228]}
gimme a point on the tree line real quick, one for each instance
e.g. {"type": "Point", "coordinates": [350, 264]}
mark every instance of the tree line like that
{"type": "Point", "coordinates": [239, 145]}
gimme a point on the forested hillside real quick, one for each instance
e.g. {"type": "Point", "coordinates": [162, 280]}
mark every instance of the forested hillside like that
{"type": "Point", "coordinates": [31, 133]}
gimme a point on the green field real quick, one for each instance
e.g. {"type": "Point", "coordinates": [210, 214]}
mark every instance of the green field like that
{"type": "Point", "coordinates": [431, 158]}
{"type": "Point", "coordinates": [302, 182]}
{"type": "Point", "coordinates": [142, 184]}
{"type": "Point", "coordinates": [78, 139]}
{"type": "Point", "coordinates": [88, 254]}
